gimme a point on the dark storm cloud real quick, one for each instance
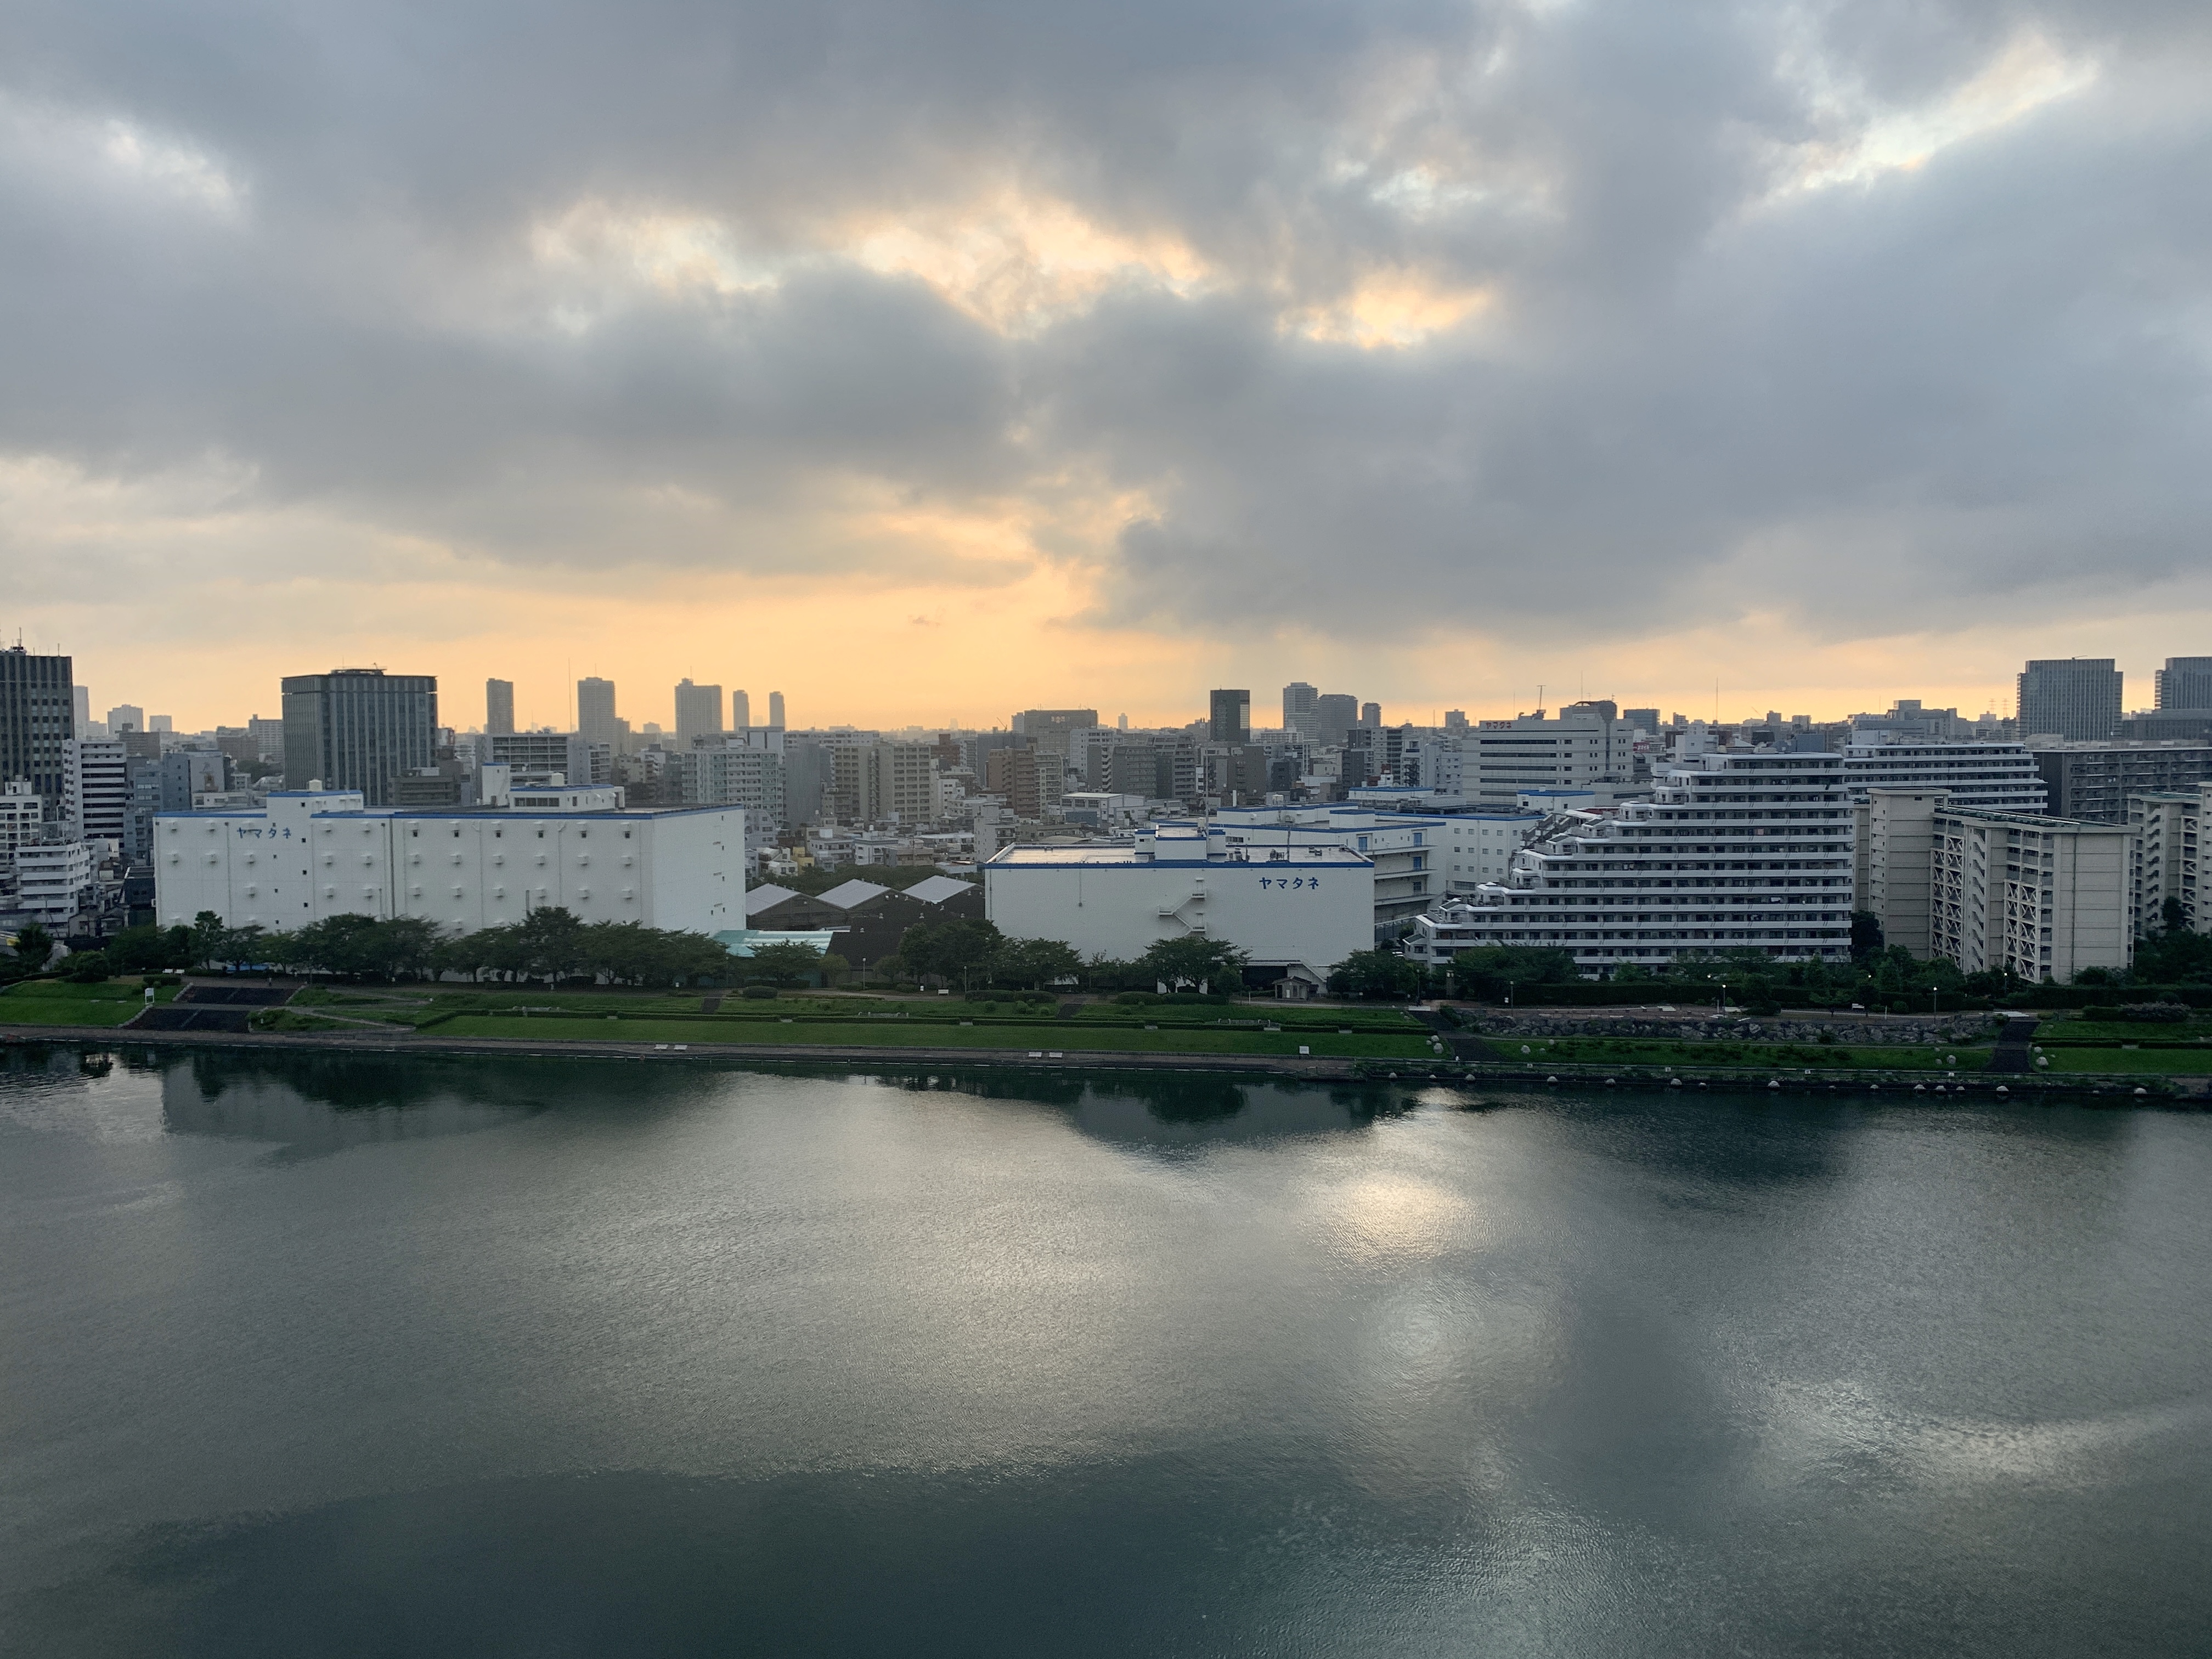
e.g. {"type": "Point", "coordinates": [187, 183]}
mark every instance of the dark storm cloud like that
{"type": "Point", "coordinates": [1912, 393]}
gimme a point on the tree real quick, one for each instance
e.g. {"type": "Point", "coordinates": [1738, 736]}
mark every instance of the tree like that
{"type": "Point", "coordinates": [209, 937]}
{"type": "Point", "coordinates": [1193, 960]}
{"type": "Point", "coordinates": [958, 949]}
{"type": "Point", "coordinates": [1866, 933]}
{"type": "Point", "coordinates": [1033, 963]}
{"type": "Point", "coordinates": [143, 950]}
{"type": "Point", "coordinates": [1489, 970]}
{"type": "Point", "coordinates": [551, 941]}
{"type": "Point", "coordinates": [786, 963]}
{"type": "Point", "coordinates": [34, 944]}
{"type": "Point", "coordinates": [1379, 973]}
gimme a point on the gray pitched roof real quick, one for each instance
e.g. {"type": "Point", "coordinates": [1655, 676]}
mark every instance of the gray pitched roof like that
{"type": "Point", "coordinates": [846, 894]}
{"type": "Point", "coordinates": [757, 899]}
{"type": "Point", "coordinates": [935, 890]}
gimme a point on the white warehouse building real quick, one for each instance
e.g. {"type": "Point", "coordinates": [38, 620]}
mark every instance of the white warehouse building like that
{"type": "Point", "coordinates": [1297, 905]}
{"type": "Point", "coordinates": [316, 853]}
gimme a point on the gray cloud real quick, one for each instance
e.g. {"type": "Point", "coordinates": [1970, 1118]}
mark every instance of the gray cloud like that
{"type": "Point", "coordinates": [1979, 381]}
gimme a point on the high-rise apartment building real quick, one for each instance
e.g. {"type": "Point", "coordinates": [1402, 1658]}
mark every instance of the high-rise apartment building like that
{"type": "Point", "coordinates": [1229, 717]}
{"type": "Point", "coordinates": [37, 717]}
{"type": "Point", "coordinates": [358, 728]}
{"type": "Point", "coordinates": [595, 713]}
{"type": "Point", "coordinates": [1302, 711]}
{"type": "Point", "coordinates": [2000, 777]}
{"type": "Point", "coordinates": [2043, 897]}
{"type": "Point", "coordinates": [741, 711]}
{"type": "Point", "coordinates": [21, 813]}
{"type": "Point", "coordinates": [2077, 697]}
{"type": "Point", "coordinates": [2092, 781]}
{"type": "Point", "coordinates": [775, 721]}
{"type": "Point", "coordinates": [1732, 852]}
{"type": "Point", "coordinates": [499, 707]}
{"type": "Point", "coordinates": [698, 712]}
{"type": "Point", "coordinates": [731, 774]}
{"type": "Point", "coordinates": [2184, 683]}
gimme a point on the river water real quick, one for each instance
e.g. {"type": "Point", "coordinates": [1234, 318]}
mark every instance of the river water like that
{"type": "Point", "coordinates": [358, 1355]}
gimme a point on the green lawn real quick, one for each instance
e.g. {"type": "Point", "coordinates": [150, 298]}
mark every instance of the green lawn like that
{"type": "Point", "coordinates": [2159, 1062]}
{"type": "Point", "coordinates": [1631, 1051]}
{"type": "Point", "coordinates": [57, 1002]}
{"type": "Point", "coordinates": [1063, 1036]}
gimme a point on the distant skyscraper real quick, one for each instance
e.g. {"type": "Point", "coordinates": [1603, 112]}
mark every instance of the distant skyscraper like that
{"type": "Point", "coordinates": [595, 712]}
{"type": "Point", "coordinates": [2070, 697]}
{"type": "Point", "coordinates": [1370, 716]}
{"type": "Point", "coordinates": [775, 711]}
{"type": "Point", "coordinates": [37, 717]}
{"type": "Point", "coordinates": [1644, 720]}
{"type": "Point", "coordinates": [358, 728]}
{"type": "Point", "coordinates": [499, 706]}
{"type": "Point", "coordinates": [1302, 710]}
{"type": "Point", "coordinates": [698, 712]}
{"type": "Point", "coordinates": [80, 707]}
{"type": "Point", "coordinates": [1456, 720]}
{"type": "Point", "coordinates": [1229, 717]}
{"type": "Point", "coordinates": [1334, 714]}
{"type": "Point", "coordinates": [2185, 683]}
{"type": "Point", "coordinates": [123, 714]}
{"type": "Point", "coordinates": [741, 711]}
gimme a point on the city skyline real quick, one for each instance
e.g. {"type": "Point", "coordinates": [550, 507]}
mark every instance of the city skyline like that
{"type": "Point", "coordinates": [1438, 352]}
{"type": "Point", "coordinates": [648, 696]}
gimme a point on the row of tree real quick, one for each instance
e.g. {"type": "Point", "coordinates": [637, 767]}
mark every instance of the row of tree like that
{"type": "Point", "coordinates": [969, 954]}
{"type": "Point", "coordinates": [552, 944]}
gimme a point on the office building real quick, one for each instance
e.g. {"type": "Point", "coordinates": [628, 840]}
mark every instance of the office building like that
{"type": "Point", "coordinates": [1295, 910]}
{"type": "Point", "coordinates": [357, 728]}
{"type": "Point", "coordinates": [499, 706]}
{"type": "Point", "coordinates": [37, 717]}
{"type": "Point", "coordinates": [1335, 713]}
{"type": "Point", "coordinates": [2075, 697]}
{"type": "Point", "coordinates": [1584, 746]}
{"type": "Point", "coordinates": [1011, 775]}
{"type": "Point", "coordinates": [775, 721]}
{"type": "Point", "coordinates": [2092, 781]}
{"type": "Point", "coordinates": [2166, 725]}
{"type": "Point", "coordinates": [268, 738]}
{"type": "Point", "coordinates": [741, 711]}
{"type": "Point", "coordinates": [595, 714]}
{"type": "Point", "coordinates": [126, 716]}
{"type": "Point", "coordinates": [96, 789]}
{"type": "Point", "coordinates": [2041, 897]}
{"type": "Point", "coordinates": [1456, 721]}
{"type": "Point", "coordinates": [1302, 711]}
{"type": "Point", "coordinates": [1371, 714]}
{"type": "Point", "coordinates": [1229, 717]}
{"type": "Point", "coordinates": [2184, 683]}
{"type": "Point", "coordinates": [698, 712]}
{"type": "Point", "coordinates": [309, 855]}
{"type": "Point", "coordinates": [1732, 852]}
{"type": "Point", "coordinates": [543, 756]}
{"type": "Point", "coordinates": [1999, 777]}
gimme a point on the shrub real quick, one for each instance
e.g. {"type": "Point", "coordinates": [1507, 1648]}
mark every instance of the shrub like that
{"type": "Point", "coordinates": [2155, 1012]}
{"type": "Point", "coordinates": [2103, 1011]}
{"type": "Point", "coordinates": [86, 968]}
{"type": "Point", "coordinates": [758, 993]}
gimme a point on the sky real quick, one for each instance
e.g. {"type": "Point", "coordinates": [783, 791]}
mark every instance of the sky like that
{"type": "Point", "coordinates": [932, 360]}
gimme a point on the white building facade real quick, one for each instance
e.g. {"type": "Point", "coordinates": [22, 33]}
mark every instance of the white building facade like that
{"type": "Point", "coordinates": [1298, 906]}
{"type": "Point", "coordinates": [1996, 777]}
{"type": "Point", "coordinates": [308, 855]}
{"type": "Point", "coordinates": [53, 881]}
{"type": "Point", "coordinates": [96, 789]}
{"type": "Point", "coordinates": [2041, 897]}
{"type": "Point", "coordinates": [1733, 851]}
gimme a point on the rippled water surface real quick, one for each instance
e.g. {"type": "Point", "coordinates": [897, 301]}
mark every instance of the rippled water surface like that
{"type": "Point", "coordinates": [372, 1356]}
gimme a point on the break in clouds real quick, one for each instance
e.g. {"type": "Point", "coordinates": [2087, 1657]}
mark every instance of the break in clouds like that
{"type": "Point", "coordinates": [1330, 316]}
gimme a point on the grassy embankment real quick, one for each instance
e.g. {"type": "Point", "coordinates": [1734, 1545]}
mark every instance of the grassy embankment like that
{"type": "Point", "coordinates": [57, 1002]}
{"type": "Point", "coordinates": [1958, 1057]}
{"type": "Point", "coordinates": [2074, 1045]}
{"type": "Point", "coordinates": [860, 1021]}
